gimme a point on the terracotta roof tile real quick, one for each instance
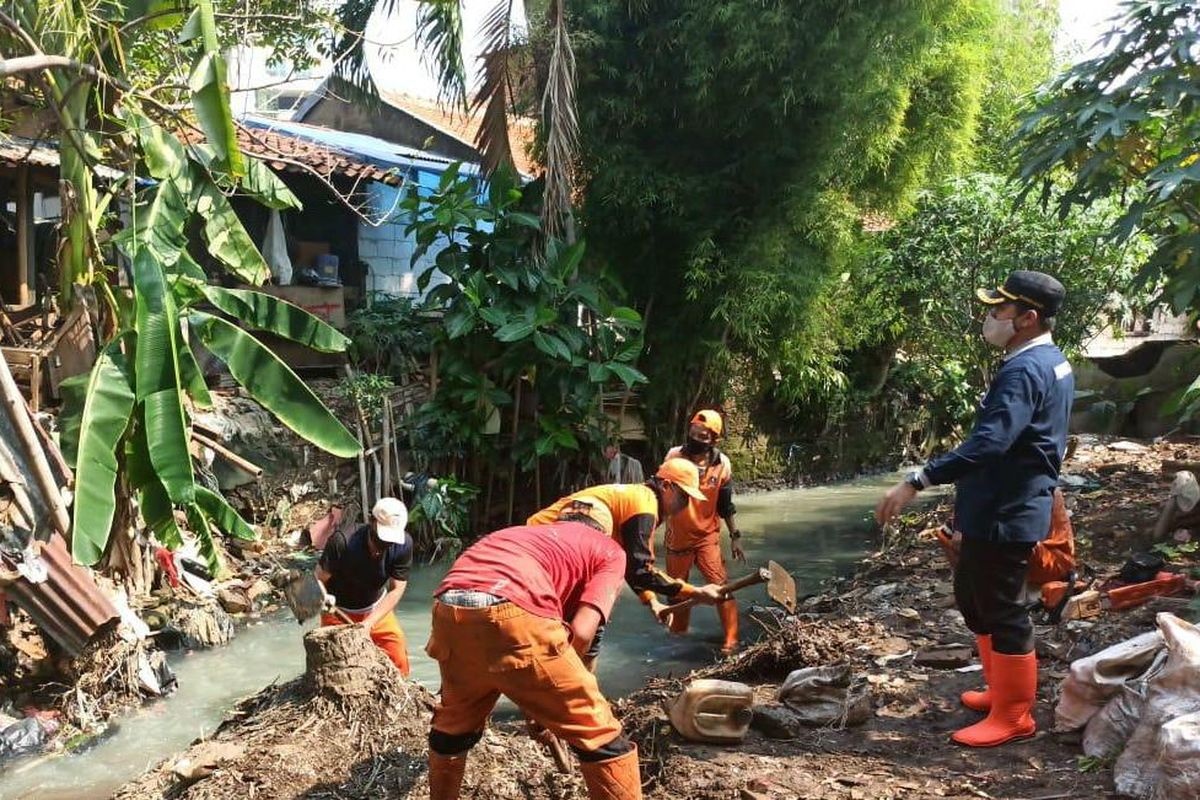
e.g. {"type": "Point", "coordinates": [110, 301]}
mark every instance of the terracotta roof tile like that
{"type": "Point", "coordinates": [294, 154]}
{"type": "Point", "coordinates": [465, 128]}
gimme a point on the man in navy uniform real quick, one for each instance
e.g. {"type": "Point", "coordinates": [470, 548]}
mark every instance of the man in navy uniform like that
{"type": "Point", "coordinates": [1004, 475]}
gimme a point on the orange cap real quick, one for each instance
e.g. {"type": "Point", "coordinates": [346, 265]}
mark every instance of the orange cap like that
{"type": "Point", "coordinates": [591, 507]}
{"type": "Point", "coordinates": [710, 420]}
{"type": "Point", "coordinates": [684, 474]}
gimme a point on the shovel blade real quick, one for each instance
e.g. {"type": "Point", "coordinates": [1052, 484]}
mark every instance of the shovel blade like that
{"type": "Point", "coordinates": [781, 587]}
{"type": "Point", "coordinates": [304, 595]}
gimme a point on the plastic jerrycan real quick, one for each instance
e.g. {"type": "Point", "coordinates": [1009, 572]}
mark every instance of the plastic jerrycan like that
{"type": "Point", "coordinates": [713, 711]}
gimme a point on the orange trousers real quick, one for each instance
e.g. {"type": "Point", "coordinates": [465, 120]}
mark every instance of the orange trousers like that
{"type": "Point", "coordinates": [705, 554]}
{"type": "Point", "coordinates": [504, 650]}
{"type": "Point", "coordinates": [386, 634]}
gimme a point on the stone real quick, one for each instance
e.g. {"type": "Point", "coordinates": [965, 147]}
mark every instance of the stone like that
{"type": "Point", "coordinates": [953, 618]}
{"type": "Point", "coordinates": [257, 589]}
{"type": "Point", "coordinates": [234, 600]}
{"type": "Point", "coordinates": [909, 615]}
{"type": "Point", "coordinates": [891, 646]}
{"type": "Point", "coordinates": [775, 722]}
{"type": "Point", "coordinates": [944, 656]}
{"type": "Point", "coordinates": [881, 592]}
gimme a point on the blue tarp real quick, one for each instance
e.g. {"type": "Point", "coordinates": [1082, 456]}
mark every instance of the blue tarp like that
{"type": "Point", "coordinates": [369, 149]}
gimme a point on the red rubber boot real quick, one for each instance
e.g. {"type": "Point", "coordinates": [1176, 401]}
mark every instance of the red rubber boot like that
{"type": "Point", "coordinates": [1013, 685]}
{"type": "Point", "coordinates": [981, 700]}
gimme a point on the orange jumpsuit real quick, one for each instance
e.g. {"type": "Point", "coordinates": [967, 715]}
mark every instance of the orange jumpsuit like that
{"type": "Point", "coordinates": [694, 538]}
{"type": "Point", "coordinates": [521, 647]}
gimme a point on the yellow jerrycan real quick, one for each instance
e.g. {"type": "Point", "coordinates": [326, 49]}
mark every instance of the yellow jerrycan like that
{"type": "Point", "coordinates": [712, 711]}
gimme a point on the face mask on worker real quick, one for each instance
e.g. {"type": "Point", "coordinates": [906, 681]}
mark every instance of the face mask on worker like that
{"type": "Point", "coordinates": [696, 447]}
{"type": "Point", "coordinates": [998, 332]}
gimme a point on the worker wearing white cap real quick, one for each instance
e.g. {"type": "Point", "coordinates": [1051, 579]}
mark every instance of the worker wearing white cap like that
{"type": "Point", "coordinates": [366, 572]}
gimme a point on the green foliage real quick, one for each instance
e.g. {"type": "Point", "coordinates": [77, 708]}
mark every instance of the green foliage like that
{"type": "Point", "coordinates": [388, 335]}
{"type": "Point", "coordinates": [903, 338]}
{"type": "Point", "coordinates": [507, 331]}
{"type": "Point", "coordinates": [1125, 124]}
{"type": "Point", "coordinates": [732, 150]}
{"type": "Point", "coordinates": [1173, 551]}
{"type": "Point", "coordinates": [370, 391]}
{"type": "Point", "coordinates": [128, 426]}
{"type": "Point", "coordinates": [441, 516]}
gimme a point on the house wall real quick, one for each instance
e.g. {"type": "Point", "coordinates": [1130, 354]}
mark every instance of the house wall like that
{"type": "Point", "coordinates": [387, 249]}
{"type": "Point", "coordinates": [387, 123]}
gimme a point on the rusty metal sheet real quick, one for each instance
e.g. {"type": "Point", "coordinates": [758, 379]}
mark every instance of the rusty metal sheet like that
{"type": "Point", "coordinates": [68, 606]}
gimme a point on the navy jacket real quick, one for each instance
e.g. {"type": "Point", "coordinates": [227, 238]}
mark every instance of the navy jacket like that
{"type": "Point", "coordinates": [1006, 471]}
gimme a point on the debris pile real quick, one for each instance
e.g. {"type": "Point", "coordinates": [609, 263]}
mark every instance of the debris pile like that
{"type": "Point", "coordinates": [349, 727]}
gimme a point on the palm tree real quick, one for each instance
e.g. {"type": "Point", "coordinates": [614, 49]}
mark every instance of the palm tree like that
{"type": "Point", "coordinates": [506, 64]}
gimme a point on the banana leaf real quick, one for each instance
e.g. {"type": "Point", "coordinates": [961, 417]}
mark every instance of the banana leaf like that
{"type": "Point", "coordinates": [221, 514]}
{"type": "Point", "coordinates": [106, 413]}
{"type": "Point", "coordinates": [227, 239]}
{"type": "Point", "coordinates": [260, 182]}
{"type": "Point", "coordinates": [158, 225]}
{"type": "Point", "coordinates": [273, 384]}
{"type": "Point", "coordinates": [158, 386]}
{"type": "Point", "coordinates": [193, 377]}
{"type": "Point", "coordinates": [267, 313]}
{"type": "Point", "coordinates": [159, 515]}
{"type": "Point", "coordinates": [205, 541]}
{"type": "Point", "coordinates": [210, 89]}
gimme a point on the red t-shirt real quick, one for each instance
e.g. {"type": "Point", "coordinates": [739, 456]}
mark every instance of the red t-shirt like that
{"type": "Point", "coordinates": [547, 570]}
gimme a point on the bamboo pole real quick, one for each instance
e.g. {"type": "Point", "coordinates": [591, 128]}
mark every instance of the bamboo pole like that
{"type": "Point", "coordinates": [386, 444]}
{"type": "Point", "coordinates": [14, 405]}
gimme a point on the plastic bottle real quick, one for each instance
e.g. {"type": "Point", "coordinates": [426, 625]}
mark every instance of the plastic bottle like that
{"type": "Point", "coordinates": [713, 711]}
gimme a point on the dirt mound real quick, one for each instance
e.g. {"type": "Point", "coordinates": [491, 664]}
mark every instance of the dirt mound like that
{"type": "Point", "coordinates": [349, 727]}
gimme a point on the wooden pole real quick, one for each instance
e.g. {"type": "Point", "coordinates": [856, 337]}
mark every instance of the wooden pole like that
{"type": "Point", "coordinates": [25, 267]}
{"type": "Point", "coordinates": [512, 470]}
{"type": "Point", "coordinates": [14, 406]}
{"type": "Point", "coordinates": [386, 444]}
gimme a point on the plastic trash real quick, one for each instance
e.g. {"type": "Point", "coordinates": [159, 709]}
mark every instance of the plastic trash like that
{"type": "Point", "coordinates": [822, 696]}
{"type": "Point", "coordinates": [1143, 767]}
{"type": "Point", "coordinates": [1093, 680]}
{"type": "Point", "coordinates": [713, 711]}
{"type": "Point", "coordinates": [1179, 751]}
{"type": "Point", "coordinates": [20, 738]}
{"type": "Point", "coordinates": [274, 249]}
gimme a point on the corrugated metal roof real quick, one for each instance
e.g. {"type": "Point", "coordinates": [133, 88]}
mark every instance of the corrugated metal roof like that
{"type": "Point", "coordinates": [381, 153]}
{"type": "Point", "coordinates": [67, 605]}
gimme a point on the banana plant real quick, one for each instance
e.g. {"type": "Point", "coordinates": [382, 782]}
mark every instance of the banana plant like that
{"type": "Point", "coordinates": [127, 431]}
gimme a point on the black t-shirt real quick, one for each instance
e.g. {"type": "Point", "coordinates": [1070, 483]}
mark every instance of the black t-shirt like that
{"type": "Point", "coordinates": [356, 580]}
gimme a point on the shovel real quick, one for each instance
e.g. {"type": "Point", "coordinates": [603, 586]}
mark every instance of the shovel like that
{"type": "Point", "coordinates": [781, 587]}
{"type": "Point", "coordinates": [306, 596]}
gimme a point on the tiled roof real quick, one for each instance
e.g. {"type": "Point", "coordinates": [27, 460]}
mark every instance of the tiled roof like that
{"type": "Point", "coordinates": [290, 153]}
{"type": "Point", "coordinates": [521, 131]}
{"type": "Point", "coordinates": [19, 150]}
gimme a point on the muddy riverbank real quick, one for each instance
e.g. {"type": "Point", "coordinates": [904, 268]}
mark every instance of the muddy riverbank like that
{"type": "Point", "coordinates": [897, 606]}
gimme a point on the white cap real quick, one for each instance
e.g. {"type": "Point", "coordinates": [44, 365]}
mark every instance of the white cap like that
{"type": "Point", "coordinates": [391, 517]}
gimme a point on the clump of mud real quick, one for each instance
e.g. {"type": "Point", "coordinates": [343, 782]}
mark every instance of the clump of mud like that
{"type": "Point", "coordinates": [350, 727]}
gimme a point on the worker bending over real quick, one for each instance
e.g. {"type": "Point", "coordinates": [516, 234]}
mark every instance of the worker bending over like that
{"type": "Point", "coordinates": [636, 510]}
{"type": "Point", "coordinates": [513, 617]}
{"type": "Point", "coordinates": [367, 572]}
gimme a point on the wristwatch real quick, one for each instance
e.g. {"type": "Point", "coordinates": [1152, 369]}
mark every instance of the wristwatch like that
{"type": "Point", "coordinates": [915, 479]}
{"type": "Point", "coordinates": [735, 535]}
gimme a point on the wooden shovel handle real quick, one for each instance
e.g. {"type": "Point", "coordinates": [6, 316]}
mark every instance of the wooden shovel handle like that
{"type": "Point", "coordinates": [762, 575]}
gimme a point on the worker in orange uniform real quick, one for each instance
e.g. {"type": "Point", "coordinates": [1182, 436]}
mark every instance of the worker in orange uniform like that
{"type": "Point", "coordinates": [694, 533]}
{"type": "Point", "coordinates": [366, 574]}
{"type": "Point", "coordinates": [636, 510]}
{"type": "Point", "coordinates": [513, 617]}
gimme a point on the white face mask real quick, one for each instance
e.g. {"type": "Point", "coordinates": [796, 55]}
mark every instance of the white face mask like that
{"type": "Point", "coordinates": [998, 332]}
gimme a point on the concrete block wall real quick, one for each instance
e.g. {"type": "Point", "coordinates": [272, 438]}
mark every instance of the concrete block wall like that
{"type": "Point", "coordinates": [388, 250]}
